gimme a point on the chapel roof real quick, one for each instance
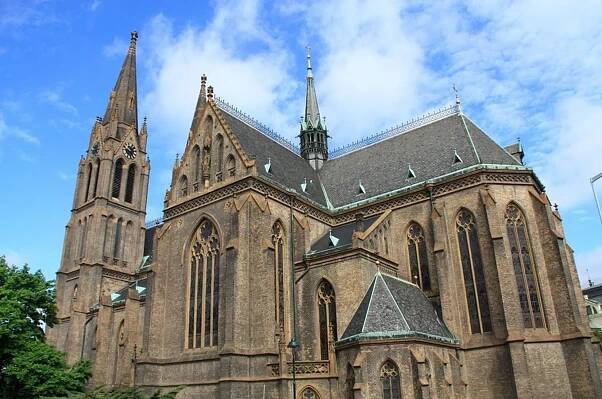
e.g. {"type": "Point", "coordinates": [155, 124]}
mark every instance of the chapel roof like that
{"type": "Point", "coordinates": [395, 308]}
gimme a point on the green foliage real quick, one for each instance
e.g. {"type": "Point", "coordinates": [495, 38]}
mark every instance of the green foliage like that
{"type": "Point", "coordinates": [122, 393]}
{"type": "Point", "coordinates": [30, 368]}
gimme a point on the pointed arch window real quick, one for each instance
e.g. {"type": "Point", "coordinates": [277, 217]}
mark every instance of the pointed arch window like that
{"type": "Point", "coordinates": [183, 186]}
{"type": "Point", "coordinates": [204, 287]}
{"type": "Point", "coordinates": [89, 181]}
{"type": "Point", "coordinates": [309, 393]}
{"type": "Point", "coordinates": [83, 237]}
{"type": "Point", "coordinates": [391, 381]}
{"type": "Point", "coordinates": [220, 156]}
{"type": "Point", "coordinates": [116, 187]}
{"type": "Point", "coordinates": [327, 315]}
{"type": "Point", "coordinates": [129, 184]}
{"type": "Point", "coordinates": [96, 174]}
{"type": "Point", "coordinates": [350, 382]}
{"type": "Point", "coordinates": [231, 165]}
{"type": "Point", "coordinates": [196, 156]}
{"type": "Point", "coordinates": [472, 269]}
{"type": "Point", "coordinates": [524, 268]}
{"type": "Point", "coordinates": [278, 241]}
{"type": "Point", "coordinates": [419, 266]}
{"type": "Point", "coordinates": [117, 242]}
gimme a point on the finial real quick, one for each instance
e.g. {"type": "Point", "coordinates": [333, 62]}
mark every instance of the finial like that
{"type": "Point", "coordinates": [98, 119]}
{"type": "Point", "coordinates": [556, 207]}
{"type": "Point", "coordinates": [309, 70]}
{"type": "Point", "coordinates": [210, 91]}
{"type": "Point", "coordinates": [133, 40]}
{"type": "Point", "coordinates": [457, 95]}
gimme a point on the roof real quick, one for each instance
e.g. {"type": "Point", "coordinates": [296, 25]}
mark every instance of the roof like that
{"type": "Point", "coordinates": [343, 235]}
{"type": "Point", "coordinates": [424, 153]}
{"type": "Point", "coordinates": [395, 308]}
{"type": "Point", "coordinates": [287, 168]}
{"type": "Point", "coordinates": [437, 145]}
{"type": "Point", "coordinates": [120, 295]}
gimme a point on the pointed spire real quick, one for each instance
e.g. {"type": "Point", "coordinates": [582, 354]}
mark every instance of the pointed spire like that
{"type": "Point", "coordinates": [200, 103]}
{"type": "Point", "coordinates": [312, 112]}
{"type": "Point", "coordinates": [123, 104]}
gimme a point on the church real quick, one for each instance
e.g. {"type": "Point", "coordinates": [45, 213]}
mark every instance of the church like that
{"type": "Point", "coordinates": [422, 262]}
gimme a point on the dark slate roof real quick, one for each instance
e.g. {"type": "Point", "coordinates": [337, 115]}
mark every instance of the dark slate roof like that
{"type": "Point", "coordinates": [343, 233]}
{"type": "Point", "coordinates": [395, 308]}
{"type": "Point", "coordinates": [121, 295]}
{"type": "Point", "coordinates": [288, 169]}
{"type": "Point", "coordinates": [429, 151]}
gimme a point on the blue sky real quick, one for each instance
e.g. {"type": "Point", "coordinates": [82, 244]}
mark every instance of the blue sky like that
{"type": "Point", "coordinates": [522, 70]}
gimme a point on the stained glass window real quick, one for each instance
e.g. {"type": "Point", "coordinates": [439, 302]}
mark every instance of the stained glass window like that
{"type": "Point", "coordinates": [524, 268]}
{"type": "Point", "coordinates": [472, 269]}
{"type": "Point", "coordinates": [389, 376]}
{"type": "Point", "coordinates": [203, 300]}
{"type": "Point", "coordinates": [419, 266]}
{"type": "Point", "coordinates": [327, 314]}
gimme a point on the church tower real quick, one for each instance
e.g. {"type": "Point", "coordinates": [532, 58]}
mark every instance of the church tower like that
{"type": "Point", "coordinates": [104, 238]}
{"type": "Point", "coordinates": [314, 135]}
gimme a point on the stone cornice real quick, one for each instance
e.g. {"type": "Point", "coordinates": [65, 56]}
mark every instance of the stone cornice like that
{"type": "Point", "coordinates": [420, 193]}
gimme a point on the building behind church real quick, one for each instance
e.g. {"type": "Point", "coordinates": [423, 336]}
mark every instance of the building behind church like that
{"type": "Point", "coordinates": [423, 262]}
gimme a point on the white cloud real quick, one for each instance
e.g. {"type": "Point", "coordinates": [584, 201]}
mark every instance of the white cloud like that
{"type": "Point", "coordinates": [64, 176]}
{"type": "Point", "coordinates": [117, 47]}
{"type": "Point", "coordinates": [16, 132]}
{"type": "Point", "coordinates": [55, 98]}
{"type": "Point", "coordinates": [94, 5]}
{"type": "Point", "coordinates": [257, 82]}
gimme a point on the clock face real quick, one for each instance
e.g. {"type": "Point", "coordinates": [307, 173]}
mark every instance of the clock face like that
{"type": "Point", "coordinates": [95, 149]}
{"type": "Point", "coordinates": [129, 150]}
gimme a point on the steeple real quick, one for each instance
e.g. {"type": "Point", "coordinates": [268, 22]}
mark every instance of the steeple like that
{"type": "Point", "coordinates": [123, 103]}
{"type": "Point", "coordinates": [314, 135]}
{"type": "Point", "coordinates": [312, 112]}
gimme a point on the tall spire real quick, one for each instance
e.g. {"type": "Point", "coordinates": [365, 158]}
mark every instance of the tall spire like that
{"type": "Point", "coordinates": [312, 112]}
{"type": "Point", "coordinates": [123, 103]}
{"type": "Point", "coordinates": [314, 136]}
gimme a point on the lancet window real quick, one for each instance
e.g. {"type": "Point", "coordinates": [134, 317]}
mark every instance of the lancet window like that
{"type": "Point", "coordinates": [204, 287]}
{"type": "Point", "coordinates": [129, 184]}
{"type": "Point", "coordinates": [116, 187]}
{"type": "Point", "coordinates": [97, 173]}
{"type": "Point", "coordinates": [183, 186]}
{"type": "Point", "coordinates": [524, 268]}
{"type": "Point", "coordinates": [391, 381]}
{"type": "Point", "coordinates": [472, 269]}
{"type": "Point", "coordinates": [327, 312]}
{"type": "Point", "coordinates": [278, 241]}
{"type": "Point", "coordinates": [117, 242]}
{"type": "Point", "coordinates": [89, 181]}
{"type": "Point", "coordinates": [196, 156]}
{"type": "Point", "coordinates": [419, 266]}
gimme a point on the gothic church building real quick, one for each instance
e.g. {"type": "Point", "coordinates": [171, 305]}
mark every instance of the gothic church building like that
{"type": "Point", "coordinates": [423, 262]}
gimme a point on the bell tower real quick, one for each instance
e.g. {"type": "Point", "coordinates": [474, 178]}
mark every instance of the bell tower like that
{"type": "Point", "coordinates": [104, 238]}
{"type": "Point", "coordinates": [314, 135]}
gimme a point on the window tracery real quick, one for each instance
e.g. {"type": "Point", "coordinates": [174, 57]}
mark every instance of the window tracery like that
{"type": "Point", "coordinates": [183, 186]}
{"type": "Point", "coordinates": [309, 393]}
{"type": "Point", "coordinates": [524, 268]}
{"type": "Point", "coordinates": [204, 287]}
{"type": "Point", "coordinates": [389, 376]}
{"type": "Point", "coordinates": [419, 266]}
{"type": "Point", "coordinates": [327, 311]}
{"type": "Point", "coordinates": [472, 269]}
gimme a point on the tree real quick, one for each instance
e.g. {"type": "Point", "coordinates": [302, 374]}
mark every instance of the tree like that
{"type": "Point", "coordinates": [29, 367]}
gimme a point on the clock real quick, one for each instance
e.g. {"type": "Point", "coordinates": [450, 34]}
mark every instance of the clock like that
{"type": "Point", "coordinates": [129, 150]}
{"type": "Point", "coordinates": [95, 149]}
